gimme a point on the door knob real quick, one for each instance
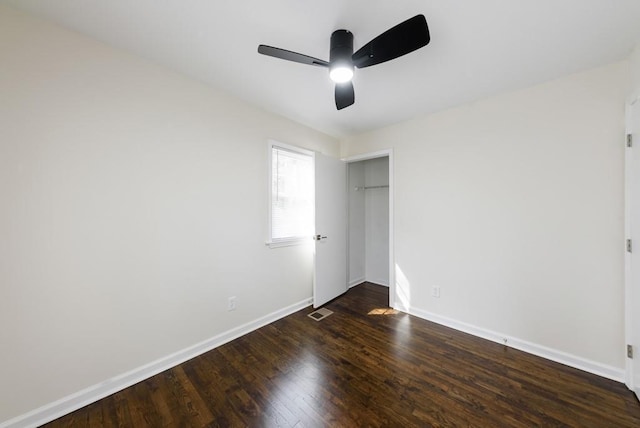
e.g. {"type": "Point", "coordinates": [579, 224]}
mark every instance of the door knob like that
{"type": "Point", "coordinates": [319, 237]}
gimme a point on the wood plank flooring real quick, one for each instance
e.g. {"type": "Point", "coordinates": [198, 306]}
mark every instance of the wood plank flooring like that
{"type": "Point", "coordinates": [365, 365]}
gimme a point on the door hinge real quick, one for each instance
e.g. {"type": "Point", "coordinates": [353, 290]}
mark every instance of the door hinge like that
{"type": "Point", "coordinates": [629, 140]}
{"type": "Point", "coordinates": [629, 247]}
{"type": "Point", "coordinates": [629, 351]}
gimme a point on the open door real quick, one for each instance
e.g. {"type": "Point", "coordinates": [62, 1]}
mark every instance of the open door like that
{"type": "Point", "coordinates": [633, 247]}
{"type": "Point", "coordinates": [330, 269]}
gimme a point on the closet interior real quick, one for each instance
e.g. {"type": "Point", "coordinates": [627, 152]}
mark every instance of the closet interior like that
{"type": "Point", "coordinates": [369, 221]}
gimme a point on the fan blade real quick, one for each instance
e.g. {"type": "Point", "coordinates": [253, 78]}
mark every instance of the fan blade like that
{"type": "Point", "coordinates": [345, 96]}
{"type": "Point", "coordinates": [400, 40]}
{"type": "Point", "coordinates": [291, 56]}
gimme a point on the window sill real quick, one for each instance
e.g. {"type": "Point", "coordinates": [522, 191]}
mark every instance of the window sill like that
{"type": "Point", "coordinates": [287, 243]}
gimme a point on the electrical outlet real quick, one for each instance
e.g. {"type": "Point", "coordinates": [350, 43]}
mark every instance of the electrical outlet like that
{"type": "Point", "coordinates": [435, 292]}
{"type": "Point", "coordinates": [231, 304]}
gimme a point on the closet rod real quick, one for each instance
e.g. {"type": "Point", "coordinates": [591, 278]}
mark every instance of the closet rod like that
{"type": "Point", "coordinates": [372, 187]}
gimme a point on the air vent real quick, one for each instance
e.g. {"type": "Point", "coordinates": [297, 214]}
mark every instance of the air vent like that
{"type": "Point", "coordinates": [320, 314]}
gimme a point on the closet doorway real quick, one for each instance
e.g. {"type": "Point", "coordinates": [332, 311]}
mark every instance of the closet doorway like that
{"type": "Point", "coordinates": [370, 237]}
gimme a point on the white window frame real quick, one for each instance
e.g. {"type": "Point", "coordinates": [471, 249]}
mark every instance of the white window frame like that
{"type": "Point", "coordinates": [285, 242]}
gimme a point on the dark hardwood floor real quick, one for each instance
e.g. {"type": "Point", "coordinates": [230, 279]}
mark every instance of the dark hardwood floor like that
{"type": "Point", "coordinates": [365, 365]}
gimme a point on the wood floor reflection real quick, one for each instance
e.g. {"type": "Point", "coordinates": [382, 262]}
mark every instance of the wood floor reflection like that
{"type": "Point", "coordinates": [364, 365]}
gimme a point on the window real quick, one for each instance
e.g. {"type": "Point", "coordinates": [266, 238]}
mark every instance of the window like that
{"type": "Point", "coordinates": [291, 194]}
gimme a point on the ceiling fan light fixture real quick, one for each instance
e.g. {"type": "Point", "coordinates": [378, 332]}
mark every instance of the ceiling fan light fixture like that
{"type": "Point", "coordinates": [341, 73]}
{"type": "Point", "coordinates": [340, 63]}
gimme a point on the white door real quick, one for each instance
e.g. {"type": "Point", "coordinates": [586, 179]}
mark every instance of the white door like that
{"type": "Point", "coordinates": [330, 273]}
{"type": "Point", "coordinates": [633, 258]}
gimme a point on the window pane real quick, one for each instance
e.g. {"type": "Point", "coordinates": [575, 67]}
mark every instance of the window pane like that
{"type": "Point", "coordinates": [291, 194]}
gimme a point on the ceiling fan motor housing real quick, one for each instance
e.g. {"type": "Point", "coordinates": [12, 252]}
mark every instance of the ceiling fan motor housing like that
{"type": "Point", "coordinates": [341, 49]}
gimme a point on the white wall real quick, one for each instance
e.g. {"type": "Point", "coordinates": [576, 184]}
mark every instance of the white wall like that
{"type": "Point", "coordinates": [635, 71]}
{"type": "Point", "coordinates": [132, 201]}
{"type": "Point", "coordinates": [377, 220]}
{"type": "Point", "coordinates": [635, 68]}
{"type": "Point", "coordinates": [513, 205]}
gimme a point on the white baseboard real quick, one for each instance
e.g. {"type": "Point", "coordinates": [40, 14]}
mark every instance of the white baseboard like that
{"type": "Point", "coordinates": [359, 281]}
{"type": "Point", "coordinates": [378, 281]}
{"type": "Point", "coordinates": [75, 401]}
{"type": "Point", "coordinates": [610, 372]}
{"type": "Point", "coordinates": [355, 282]}
{"type": "Point", "coordinates": [96, 392]}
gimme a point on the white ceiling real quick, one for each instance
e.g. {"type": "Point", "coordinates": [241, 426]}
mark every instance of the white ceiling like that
{"type": "Point", "coordinates": [477, 48]}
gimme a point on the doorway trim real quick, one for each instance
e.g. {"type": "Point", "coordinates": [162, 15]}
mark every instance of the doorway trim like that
{"type": "Point", "coordinates": [628, 273]}
{"type": "Point", "coordinates": [386, 153]}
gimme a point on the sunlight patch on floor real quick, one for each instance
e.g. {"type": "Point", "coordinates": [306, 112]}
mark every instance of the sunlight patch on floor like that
{"type": "Point", "coordinates": [382, 311]}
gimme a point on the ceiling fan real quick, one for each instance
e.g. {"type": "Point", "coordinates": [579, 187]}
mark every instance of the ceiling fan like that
{"type": "Point", "coordinates": [400, 40]}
